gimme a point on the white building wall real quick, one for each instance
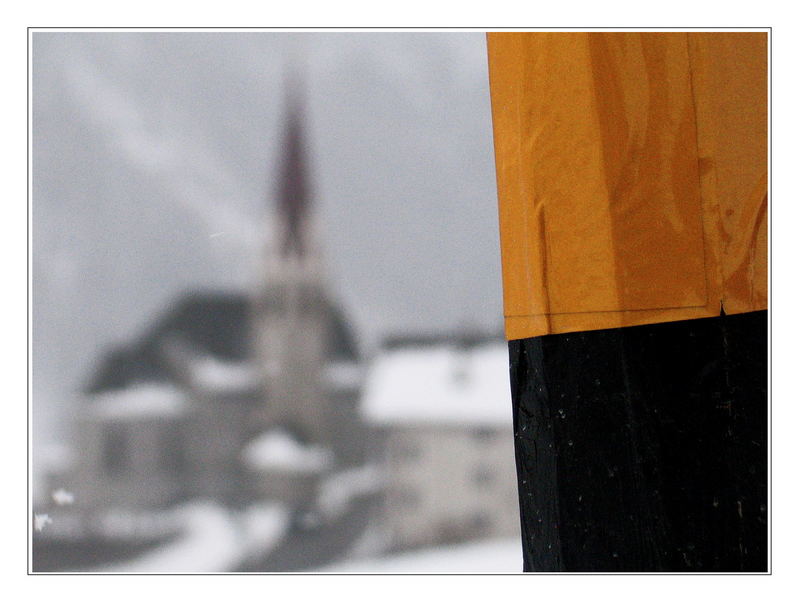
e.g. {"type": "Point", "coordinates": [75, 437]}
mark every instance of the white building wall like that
{"type": "Point", "coordinates": [449, 483]}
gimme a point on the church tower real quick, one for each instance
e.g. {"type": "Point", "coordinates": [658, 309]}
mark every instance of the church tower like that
{"type": "Point", "coordinates": [291, 307]}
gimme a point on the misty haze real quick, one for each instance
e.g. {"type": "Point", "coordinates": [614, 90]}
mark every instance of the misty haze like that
{"type": "Point", "coordinates": [267, 305]}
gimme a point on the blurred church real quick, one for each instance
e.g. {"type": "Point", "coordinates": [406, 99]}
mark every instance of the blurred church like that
{"type": "Point", "coordinates": [231, 396]}
{"type": "Point", "coordinates": [241, 398]}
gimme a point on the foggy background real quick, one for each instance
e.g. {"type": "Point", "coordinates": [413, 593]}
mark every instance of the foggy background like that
{"type": "Point", "coordinates": [153, 160]}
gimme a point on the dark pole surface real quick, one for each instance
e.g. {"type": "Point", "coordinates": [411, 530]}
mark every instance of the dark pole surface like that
{"type": "Point", "coordinates": [644, 448]}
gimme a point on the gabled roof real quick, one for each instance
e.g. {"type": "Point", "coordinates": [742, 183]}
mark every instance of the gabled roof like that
{"type": "Point", "coordinates": [443, 384]}
{"type": "Point", "coordinates": [140, 402]}
{"type": "Point", "coordinates": [216, 325]}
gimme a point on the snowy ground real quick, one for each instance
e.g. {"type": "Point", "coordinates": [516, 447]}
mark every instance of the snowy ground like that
{"type": "Point", "coordinates": [213, 540]}
{"type": "Point", "coordinates": [495, 556]}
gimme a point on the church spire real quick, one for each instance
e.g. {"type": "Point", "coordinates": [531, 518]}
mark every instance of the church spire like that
{"type": "Point", "coordinates": [293, 186]}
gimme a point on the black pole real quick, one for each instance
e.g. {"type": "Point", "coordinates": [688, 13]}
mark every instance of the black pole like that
{"type": "Point", "coordinates": [644, 448]}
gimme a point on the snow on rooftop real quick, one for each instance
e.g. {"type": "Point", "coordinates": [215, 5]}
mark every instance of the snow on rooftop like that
{"type": "Point", "coordinates": [278, 450]}
{"type": "Point", "coordinates": [62, 497]}
{"type": "Point", "coordinates": [139, 401]}
{"type": "Point", "coordinates": [440, 384]}
{"type": "Point", "coordinates": [214, 374]}
{"type": "Point", "coordinates": [40, 521]}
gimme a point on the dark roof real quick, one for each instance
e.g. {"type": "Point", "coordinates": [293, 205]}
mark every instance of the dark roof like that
{"type": "Point", "coordinates": [217, 323]}
{"type": "Point", "coordinates": [463, 338]}
{"type": "Point", "coordinates": [126, 365]}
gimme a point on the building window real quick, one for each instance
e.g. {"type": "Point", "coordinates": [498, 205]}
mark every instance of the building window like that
{"type": "Point", "coordinates": [115, 450]}
{"type": "Point", "coordinates": [481, 523]}
{"type": "Point", "coordinates": [405, 497]}
{"type": "Point", "coordinates": [483, 434]}
{"type": "Point", "coordinates": [173, 457]}
{"type": "Point", "coordinates": [483, 477]}
{"type": "Point", "coordinates": [407, 451]}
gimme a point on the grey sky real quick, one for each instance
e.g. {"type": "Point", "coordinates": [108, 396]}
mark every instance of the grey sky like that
{"type": "Point", "coordinates": [153, 155]}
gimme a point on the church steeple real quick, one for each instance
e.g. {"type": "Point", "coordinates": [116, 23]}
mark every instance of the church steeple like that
{"type": "Point", "coordinates": [291, 309]}
{"type": "Point", "coordinates": [294, 194]}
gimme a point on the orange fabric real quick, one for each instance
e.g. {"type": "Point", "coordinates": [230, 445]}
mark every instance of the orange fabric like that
{"type": "Point", "coordinates": [632, 175]}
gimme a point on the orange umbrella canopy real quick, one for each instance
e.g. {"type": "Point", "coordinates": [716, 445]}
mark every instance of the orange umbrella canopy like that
{"type": "Point", "coordinates": [632, 177]}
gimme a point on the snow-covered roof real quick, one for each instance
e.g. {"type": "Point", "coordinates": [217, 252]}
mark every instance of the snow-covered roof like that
{"type": "Point", "coordinates": [278, 450]}
{"type": "Point", "coordinates": [443, 384]}
{"type": "Point", "coordinates": [143, 400]}
{"type": "Point", "coordinates": [216, 374]}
